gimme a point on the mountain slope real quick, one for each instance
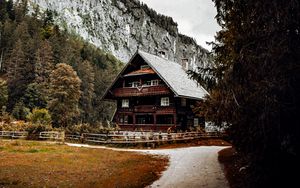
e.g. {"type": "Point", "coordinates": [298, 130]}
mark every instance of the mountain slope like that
{"type": "Point", "coordinates": [122, 26]}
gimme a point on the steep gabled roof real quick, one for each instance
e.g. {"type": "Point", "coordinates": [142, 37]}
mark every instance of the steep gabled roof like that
{"type": "Point", "coordinates": [171, 73]}
{"type": "Point", "coordinates": [174, 76]}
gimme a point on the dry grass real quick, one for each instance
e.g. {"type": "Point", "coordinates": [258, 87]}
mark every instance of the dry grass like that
{"type": "Point", "coordinates": [39, 164]}
{"type": "Point", "coordinates": [232, 164]}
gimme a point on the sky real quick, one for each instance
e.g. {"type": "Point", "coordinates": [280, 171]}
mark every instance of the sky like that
{"type": "Point", "coordinates": [195, 18]}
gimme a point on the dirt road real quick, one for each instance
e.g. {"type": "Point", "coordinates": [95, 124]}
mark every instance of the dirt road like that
{"type": "Point", "coordinates": [193, 167]}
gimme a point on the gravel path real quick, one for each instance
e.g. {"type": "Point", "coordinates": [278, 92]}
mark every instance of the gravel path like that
{"type": "Point", "coordinates": [193, 167]}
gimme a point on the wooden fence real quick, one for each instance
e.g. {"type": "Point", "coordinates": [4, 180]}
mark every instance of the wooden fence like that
{"type": "Point", "coordinates": [52, 135]}
{"type": "Point", "coordinates": [115, 137]}
{"type": "Point", "coordinates": [13, 134]}
{"type": "Point", "coordinates": [140, 137]}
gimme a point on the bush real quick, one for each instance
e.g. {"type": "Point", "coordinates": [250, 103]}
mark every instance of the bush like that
{"type": "Point", "coordinates": [40, 116]}
{"type": "Point", "coordinates": [87, 128]}
{"type": "Point", "coordinates": [34, 129]}
{"type": "Point", "coordinates": [13, 126]}
{"type": "Point", "coordinates": [4, 116]}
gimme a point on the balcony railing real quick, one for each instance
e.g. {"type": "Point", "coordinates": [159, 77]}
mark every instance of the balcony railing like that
{"type": "Point", "coordinates": [145, 108]}
{"type": "Point", "coordinates": [149, 109]}
{"type": "Point", "coordinates": [141, 91]}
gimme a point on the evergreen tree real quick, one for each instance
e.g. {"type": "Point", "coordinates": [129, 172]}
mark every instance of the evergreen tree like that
{"type": "Point", "coordinates": [35, 97]}
{"type": "Point", "coordinates": [65, 95]}
{"type": "Point", "coordinates": [87, 76]}
{"type": "Point", "coordinates": [28, 48]}
{"type": "Point", "coordinates": [17, 71]}
{"type": "Point", "coordinates": [256, 90]}
{"type": "Point", "coordinates": [20, 111]}
{"type": "Point", "coordinates": [3, 93]}
{"type": "Point", "coordinates": [43, 66]}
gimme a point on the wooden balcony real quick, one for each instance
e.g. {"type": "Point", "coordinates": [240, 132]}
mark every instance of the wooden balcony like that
{"type": "Point", "coordinates": [165, 110]}
{"type": "Point", "coordinates": [145, 108]}
{"type": "Point", "coordinates": [143, 91]}
{"type": "Point", "coordinates": [149, 109]}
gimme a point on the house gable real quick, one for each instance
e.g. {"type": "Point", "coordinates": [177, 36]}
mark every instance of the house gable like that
{"type": "Point", "coordinates": [170, 73]}
{"type": "Point", "coordinates": [131, 69]}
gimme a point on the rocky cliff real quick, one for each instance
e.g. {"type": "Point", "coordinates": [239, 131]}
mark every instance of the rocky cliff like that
{"type": "Point", "coordinates": [122, 26]}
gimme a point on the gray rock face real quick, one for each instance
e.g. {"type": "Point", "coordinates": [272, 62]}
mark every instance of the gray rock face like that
{"type": "Point", "coordinates": [110, 25]}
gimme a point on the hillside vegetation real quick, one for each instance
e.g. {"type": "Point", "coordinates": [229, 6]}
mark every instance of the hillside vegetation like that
{"type": "Point", "coordinates": [43, 67]}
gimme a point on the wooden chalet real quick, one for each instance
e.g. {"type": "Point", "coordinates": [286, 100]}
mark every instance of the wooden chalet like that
{"type": "Point", "coordinates": [153, 93]}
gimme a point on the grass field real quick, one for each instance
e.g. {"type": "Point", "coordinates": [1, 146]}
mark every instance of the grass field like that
{"type": "Point", "coordinates": [41, 164]}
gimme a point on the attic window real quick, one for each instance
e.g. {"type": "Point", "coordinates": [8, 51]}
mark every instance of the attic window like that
{"type": "Point", "coordinates": [154, 82]}
{"type": "Point", "coordinates": [145, 67]}
{"type": "Point", "coordinates": [134, 84]}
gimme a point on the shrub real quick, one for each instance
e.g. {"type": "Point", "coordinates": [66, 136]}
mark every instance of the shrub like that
{"type": "Point", "coordinates": [40, 116]}
{"type": "Point", "coordinates": [13, 126]}
{"type": "Point", "coordinates": [39, 121]}
{"type": "Point", "coordinates": [34, 129]}
{"type": "Point", "coordinates": [20, 111]}
{"type": "Point", "coordinates": [87, 128]}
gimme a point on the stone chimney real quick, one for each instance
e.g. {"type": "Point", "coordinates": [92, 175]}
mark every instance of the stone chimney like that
{"type": "Point", "coordinates": [162, 54]}
{"type": "Point", "coordinates": [185, 63]}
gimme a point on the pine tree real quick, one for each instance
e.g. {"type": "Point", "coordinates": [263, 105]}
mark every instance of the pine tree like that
{"type": "Point", "coordinates": [3, 93]}
{"type": "Point", "coordinates": [65, 95]}
{"type": "Point", "coordinates": [44, 65]}
{"type": "Point", "coordinates": [256, 90]}
{"type": "Point", "coordinates": [87, 76]}
{"type": "Point", "coordinates": [17, 71]}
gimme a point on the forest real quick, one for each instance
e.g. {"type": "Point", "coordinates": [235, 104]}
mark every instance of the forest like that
{"type": "Point", "coordinates": [254, 87]}
{"type": "Point", "coordinates": [48, 76]}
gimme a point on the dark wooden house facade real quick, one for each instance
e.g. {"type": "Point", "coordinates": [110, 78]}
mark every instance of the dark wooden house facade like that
{"type": "Point", "coordinates": [153, 93]}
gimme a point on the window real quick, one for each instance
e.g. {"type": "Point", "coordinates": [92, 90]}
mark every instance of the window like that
{"type": "Point", "coordinates": [125, 119]}
{"type": "Point", "coordinates": [196, 122]}
{"type": "Point", "coordinates": [165, 101]}
{"type": "Point", "coordinates": [154, 82]}
{"type": "Point", "coordinates": [125, 103]}
{"type": "Point", "coordinates": [144, 119]}
{"type": "Point", "coordinates": [134, 84]}
{"type": "Point", "coordinates": [183, 102]}
{"type": "Point", "coordinates": [147, 83]}
{"type": "Point", "coordinates": [145, 66]}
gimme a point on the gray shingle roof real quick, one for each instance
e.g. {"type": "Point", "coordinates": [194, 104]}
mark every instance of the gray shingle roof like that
{"type": "Point", "coordinates": [174, 76]}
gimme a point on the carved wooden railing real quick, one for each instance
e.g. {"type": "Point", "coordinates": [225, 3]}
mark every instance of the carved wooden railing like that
{"type": "Point", "coordinates": [141, 91]}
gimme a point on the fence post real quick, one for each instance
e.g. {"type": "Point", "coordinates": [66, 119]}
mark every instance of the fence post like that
{"type": "Point", "coordinates": [63, 137]}
{"type": "Point", "coordinates": [82, 137]}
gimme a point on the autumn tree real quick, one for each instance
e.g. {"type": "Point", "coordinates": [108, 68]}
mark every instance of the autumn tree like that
{"type": "Point", "coordinates": [255, 88]}
{"type": "Point", "coordinates": [64, 95]}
